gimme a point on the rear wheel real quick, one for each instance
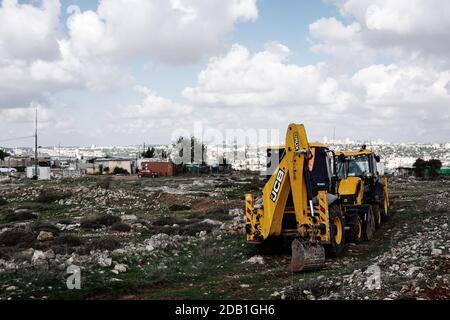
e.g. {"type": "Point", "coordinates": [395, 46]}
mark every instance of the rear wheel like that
{"type": "Point", "coordinates": [356, 230]}
{"type": "Point", "coordinates": [336, 232]}
{"type": "Point", "coordinates": [377, 215]}
{"type": "Point", "coordinates": [369, 225]}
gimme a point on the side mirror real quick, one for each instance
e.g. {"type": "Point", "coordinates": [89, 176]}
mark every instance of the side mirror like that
{"type": "Point", "coordinates": [377, 158]}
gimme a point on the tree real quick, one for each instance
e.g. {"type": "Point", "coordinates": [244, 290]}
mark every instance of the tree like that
{"type": "Point", "coordinates": [164, 154]}
{"type": "Point", "coordinates": [3, 154]}
{"type": "Point", "coordinates": [150, 153]}
{"type": "Point", "coordinates": [419, 167]}
{"type": "Point", "coordinates": [118, 170]}
{"type": "Point", "coordinates": [435, 165]}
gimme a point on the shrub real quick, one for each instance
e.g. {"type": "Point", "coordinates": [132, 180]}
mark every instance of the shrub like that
{"type": "Point", "coordinates": [98, 222]}
{"type": "Point", "coordinates": [16, 237]}
{"type": "Point", "coordinates": [51, 196]}
{"type": "Point", "coordinates": [179, 207]}
{"type": "Point", "coordinates": [19, 216]}
{"type": "Point", "coordinates": [105, 243]}
{"type": "Point", "coordinates": [105, 183]}
{"type": "Point", "coordinates": [68, 240]}
{"type": "Point", "coordinates": [45, 226]}
{"type": "Point", "coordinates": [121, 227]}
{"type": "Point", "coordinates": [118, 170]}
{"type": "Point", "coordinates": [3, 201]}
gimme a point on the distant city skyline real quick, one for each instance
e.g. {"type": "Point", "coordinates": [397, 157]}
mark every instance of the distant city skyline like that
{"type": "Point", "coordinates": [120, 72]}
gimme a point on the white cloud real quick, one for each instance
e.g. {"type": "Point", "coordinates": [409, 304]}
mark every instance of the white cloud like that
{"type": "Point", "coordinates": [37, 59]}
{"type": "Point", "coordinates": [28, 32]}
{"type": "Point", "coordinates": [413, 29]}
{"type": "Point", "coordinates": [174, 31]}
{"type": "Point", "coordinates": [154, 111]}
{"type": "Point", "coordinates": [240, 79]}
{"type": "Point", "coordinates": [48, 118]}
{"type": "Point", "coordinates": [396, 101]}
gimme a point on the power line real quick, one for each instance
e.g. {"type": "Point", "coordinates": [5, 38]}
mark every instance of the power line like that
{"type": "Point", "coordinates": [18, 138]}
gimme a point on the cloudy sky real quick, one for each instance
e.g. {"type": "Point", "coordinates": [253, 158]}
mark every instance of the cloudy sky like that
{"type": "Point", "coordinates": [120, 72]}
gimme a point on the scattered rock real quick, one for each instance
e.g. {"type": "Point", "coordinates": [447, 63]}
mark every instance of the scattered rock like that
{"type": "Point", "coordinates": [128, 217]}
{"type": "Point", "coordinates": [104, 262]}
{"type": "Point", "coordinates": [436, 252]}
{"type": "Point", "coordinates": [255, 260]}
{"type": "Point", "coordinates": [121, 268]}
{"type": "Point", "coordinates": [45, 236]}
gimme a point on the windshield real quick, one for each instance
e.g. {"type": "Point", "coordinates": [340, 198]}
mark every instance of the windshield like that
{"type": "Point", "coordinates": [353, 166]}
{"type": "Point", "coordinates": [340, 168]}
{"type": "Point", "coordinates": [358, 166]}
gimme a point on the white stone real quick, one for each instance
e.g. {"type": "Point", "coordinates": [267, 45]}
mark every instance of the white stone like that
{"type": "Point", "coordinates": [45, 236]}
{"type": "Point", "coordinates": [255, 260]}
{"type": "Point", "coordinates": [121, 268]}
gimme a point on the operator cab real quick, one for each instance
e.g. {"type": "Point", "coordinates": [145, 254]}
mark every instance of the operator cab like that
{"type": "Point", "coordinates": [321, 166]}
{"type": "Point", "coordinates": [356, 164]}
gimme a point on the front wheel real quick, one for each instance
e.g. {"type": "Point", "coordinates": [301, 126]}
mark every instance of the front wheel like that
{"type": "Point", "coordinates": [356, 230]}
{"type": "Point", "coordinates": [337, 238]}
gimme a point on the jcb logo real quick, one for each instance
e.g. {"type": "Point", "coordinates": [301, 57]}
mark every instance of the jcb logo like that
{"type": "Point", "coordinates": [277, 185]}
{"type": "Point", "coordinates": [296, 143]}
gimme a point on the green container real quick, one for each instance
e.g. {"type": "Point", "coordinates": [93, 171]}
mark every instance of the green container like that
{"type": "Point", "coordinates": [445, 171]}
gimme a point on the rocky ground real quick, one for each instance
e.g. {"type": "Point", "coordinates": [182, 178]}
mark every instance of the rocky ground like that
{"type": "Point", "coordinates": [182, 237]}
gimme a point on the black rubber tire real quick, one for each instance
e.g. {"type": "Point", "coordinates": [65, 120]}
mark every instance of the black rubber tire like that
{"type": "Point", "coordinates": [334, 249]}
{"type": "Point", "coordinates": [369, 226]}
{"type": "Point", "coordinates": [385, 213]}
{"type": "Point", "coordinates": [377, 215]}
{"type": "Point", "coordinates": [354, 235]}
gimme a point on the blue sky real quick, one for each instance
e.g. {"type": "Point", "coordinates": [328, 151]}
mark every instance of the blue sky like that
{"type": "Point", "coordinates": [134, 71]}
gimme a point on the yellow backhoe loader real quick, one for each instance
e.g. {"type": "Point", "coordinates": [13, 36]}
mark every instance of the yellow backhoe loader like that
{"type": "Point", "coordinates": [296, 204]}
{"type": "Point", "coordinates": [363, 192]}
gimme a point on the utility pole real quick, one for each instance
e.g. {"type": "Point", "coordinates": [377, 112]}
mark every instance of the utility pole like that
{"type": "Point", "coordinates": [334, 134]}
{"type": "Point", "coordinates": [36, 162]}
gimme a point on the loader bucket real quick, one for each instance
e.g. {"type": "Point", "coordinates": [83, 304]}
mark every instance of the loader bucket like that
{"type": "Point", "coordinates": [306, 257]}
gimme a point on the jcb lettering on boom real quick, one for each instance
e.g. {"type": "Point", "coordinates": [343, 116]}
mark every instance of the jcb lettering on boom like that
{"type": "Point", "coordinates": [296, 143]}
{"type": "Point", "coordinates": [277, 185]}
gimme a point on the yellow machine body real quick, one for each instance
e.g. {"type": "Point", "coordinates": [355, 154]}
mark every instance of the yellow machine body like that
{"type": "Point", "coordinates": [265, 220]}
{"type": "Point", "coordinates": [288, 183]}
{"type": "Point", "coordinates": [351, 190]}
